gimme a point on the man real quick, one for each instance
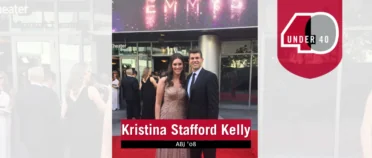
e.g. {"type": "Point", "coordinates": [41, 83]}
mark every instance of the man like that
{"type": "Point", "coordinates": [134, 73]}
{"type": "Point", "coordinates": [38, 111]}
{"type": "Point", "coordinates": [49, 78]}
{"type": "Point", "coordinates": [203, 94]}
{"type": "Point", "coordinates": [130, 92]}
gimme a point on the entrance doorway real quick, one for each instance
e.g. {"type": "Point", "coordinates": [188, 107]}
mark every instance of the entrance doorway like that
{"type": "Point", "coordinates": [116, 65]}
{"type": "Point", "coordinates": [29, 51]}
{"type": "Point", "coordinates": [136, 63]}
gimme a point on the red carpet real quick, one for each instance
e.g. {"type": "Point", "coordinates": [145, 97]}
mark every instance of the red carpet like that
{"type": "Point", "coordinates": [117, 152]}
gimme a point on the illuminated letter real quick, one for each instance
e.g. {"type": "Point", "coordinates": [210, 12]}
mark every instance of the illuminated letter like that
{"type": "Point", "coordinates": [150, 13]}
{"type": "Point", "coordinates": [150, 7]}
{"type": "Point", "coordinates": [194, 5]}
{"type": "Point", "coordinates": [236, 4]}
{"type": "Point", "coordinates": [168, 5]}
{"type": "Point", "coordinates": [216, 6]}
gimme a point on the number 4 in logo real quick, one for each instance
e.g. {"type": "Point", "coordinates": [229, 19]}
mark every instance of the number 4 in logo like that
{"type": "Point", "coordinates": [311, 33]}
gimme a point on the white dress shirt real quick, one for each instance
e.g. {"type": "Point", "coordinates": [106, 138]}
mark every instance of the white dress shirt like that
{"type": "Point", "coordinates": [189, 84]}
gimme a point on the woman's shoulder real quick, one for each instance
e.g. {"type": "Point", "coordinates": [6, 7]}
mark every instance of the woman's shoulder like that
{"type": "Point", "coordinates": [163, 79]}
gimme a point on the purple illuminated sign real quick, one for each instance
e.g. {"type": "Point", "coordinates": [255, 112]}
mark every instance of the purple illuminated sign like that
{"type": "Point", "coordinates": [150, 15]}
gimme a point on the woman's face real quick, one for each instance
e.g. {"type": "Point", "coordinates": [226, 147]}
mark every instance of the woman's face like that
{"type": "Point", "coordinates": [115, 75]}
{"type": "Point", "coordinates": [177, 66]}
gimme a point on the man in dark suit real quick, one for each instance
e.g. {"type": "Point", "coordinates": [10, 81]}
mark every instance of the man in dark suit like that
{"type": "Point", "coordinates": [38, 113]}
{"type": "Point", "coordinates": [130, 92]}
{"type": "Point", "coordinates": [203, 93]}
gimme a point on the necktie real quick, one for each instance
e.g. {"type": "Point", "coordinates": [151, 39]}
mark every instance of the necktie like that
{"type": "Point", "coordinates": [192, 81]}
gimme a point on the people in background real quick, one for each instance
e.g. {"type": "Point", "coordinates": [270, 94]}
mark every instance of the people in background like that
{"type": "Point", "coordinates": [155, 75]}
{"type": "Point", "coordinates": [148, 91]}
{"type": "Point", "coordinates": [130, 93]}
{"type": "Point", "coordinates": [49, 79]}
{"type": "Point", "coordinates": [115, 91]}
{"type": "Point", "coordinates": [86, 114]}
{"type": "Point", "coordinates": [134, 73]}
{"type": "Point", "coordinates": [4, 115]}
{"type": "Point", "coordinates": [37, 109]}
{"type": "Point", "coordinates": [163, 74]}
{"type": "Point", "coordinates": [366, 130]}
{"type": "Point", "coordinates": [4, 91]}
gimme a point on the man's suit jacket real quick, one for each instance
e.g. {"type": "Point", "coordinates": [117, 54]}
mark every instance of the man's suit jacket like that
{"type": "Point", "coordinates": [130, 88]}
{"type": "Point", "coordinates": [203, 102]}
{"type": "Point", "coordinates": [38, 111]}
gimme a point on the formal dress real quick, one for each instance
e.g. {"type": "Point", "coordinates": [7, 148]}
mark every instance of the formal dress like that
{"type": "Point", "coordinates": [148, 92]}
{"type": "Point", "coordinates": [85, 125]}
{"type": "Point", "coordinates": [173, 108]}
{"type": "Point", "coordinates": [4, 124]}
{"type": "Point", "coordinates": [115, 95]}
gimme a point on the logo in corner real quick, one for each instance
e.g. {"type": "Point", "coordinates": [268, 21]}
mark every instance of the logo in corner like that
{"type": "Point", "coordinates": [310, 43]}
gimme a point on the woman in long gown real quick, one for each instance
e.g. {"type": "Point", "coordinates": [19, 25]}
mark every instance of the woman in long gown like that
{"type": "Point", "coordinates": [148, 92]}
{"type": "Point", "coordinates": [87, 115]}
{"type": "Point", "coordinates": [4, 116]}
{"type": "Point", "coordinates": [171, 88]}
{"type": "Point", "coordinates": [115, 91]}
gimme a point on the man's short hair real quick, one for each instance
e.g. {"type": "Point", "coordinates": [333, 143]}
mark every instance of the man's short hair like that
{"type": "Point", "coordinates": [36, 74]}
{"type": "Point", "coordinates": [196, 51]}
{"type": "Point", "coordinates": [129, 72]}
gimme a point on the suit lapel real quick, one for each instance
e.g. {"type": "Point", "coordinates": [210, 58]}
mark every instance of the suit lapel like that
{"type": "Point", "coordinates": [187, 86]}
{"type": "Point", "coordinates": [197, 80]}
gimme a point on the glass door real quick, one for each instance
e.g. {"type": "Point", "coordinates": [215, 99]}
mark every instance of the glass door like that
{"type": "Point", "coordinates": [128, 62]}
{"type": "Point", "coordinates": [28, 52]}
{"type": "Point", "coordinates": [143, 62]}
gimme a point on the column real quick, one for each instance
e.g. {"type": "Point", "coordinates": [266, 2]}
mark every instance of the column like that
{"type": "Point", "coordinates": [210, 47]}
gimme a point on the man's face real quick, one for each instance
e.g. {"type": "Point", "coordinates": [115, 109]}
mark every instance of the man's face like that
{"type": "Point", "coordinates": [195, 60]}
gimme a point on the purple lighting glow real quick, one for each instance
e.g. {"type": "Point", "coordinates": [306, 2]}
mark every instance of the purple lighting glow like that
{"type": "Point", "coordinates": [216, 8]}
{"type": "Point", "coordinates": [168, 10]}
{"type": "Point", "coordinates": [236, 9]}
{"type": "Point", "coordinates": [167, 15]}
{"type": "Point", "coordinates": [150, 14]}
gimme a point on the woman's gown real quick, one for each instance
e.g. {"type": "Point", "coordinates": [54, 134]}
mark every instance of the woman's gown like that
{"type": "Point", "coordinates": [148, 99]}
{"type": "Point", "coordinates": [115, 95]}
{"type": "Point", "coordinates": [84, 124]}
{"type": "Point", "coordinates": [4, 124]}
{"type": "Point", "coordinates": [174, 107]}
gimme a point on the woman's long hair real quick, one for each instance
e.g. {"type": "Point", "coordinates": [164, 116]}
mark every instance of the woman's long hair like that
{"type": "Point", "coordinates": [76, 79]}
{"type": "Point", "coordinates": [169, 74]}
{"type": "Point", "coordinates": [113, 75]}
{"type": "Point", "coordinates": [145, 73]}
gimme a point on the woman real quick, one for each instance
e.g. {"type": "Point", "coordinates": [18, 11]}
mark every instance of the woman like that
{"type": "Point", "coordinates": [115, 91]}
{"type": "Point", "coordinates": [4, 116]}
{"type": "Point", "coordinates": [148, 91]}
{"type": "Point", "coordinates": [171, 88]}
{"type": "Point", "coordinates": [86, 114]}
{"type": "Point", "coordinates": [4, 91]}
{"type": "Point", "coordinates": [366, 130]}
